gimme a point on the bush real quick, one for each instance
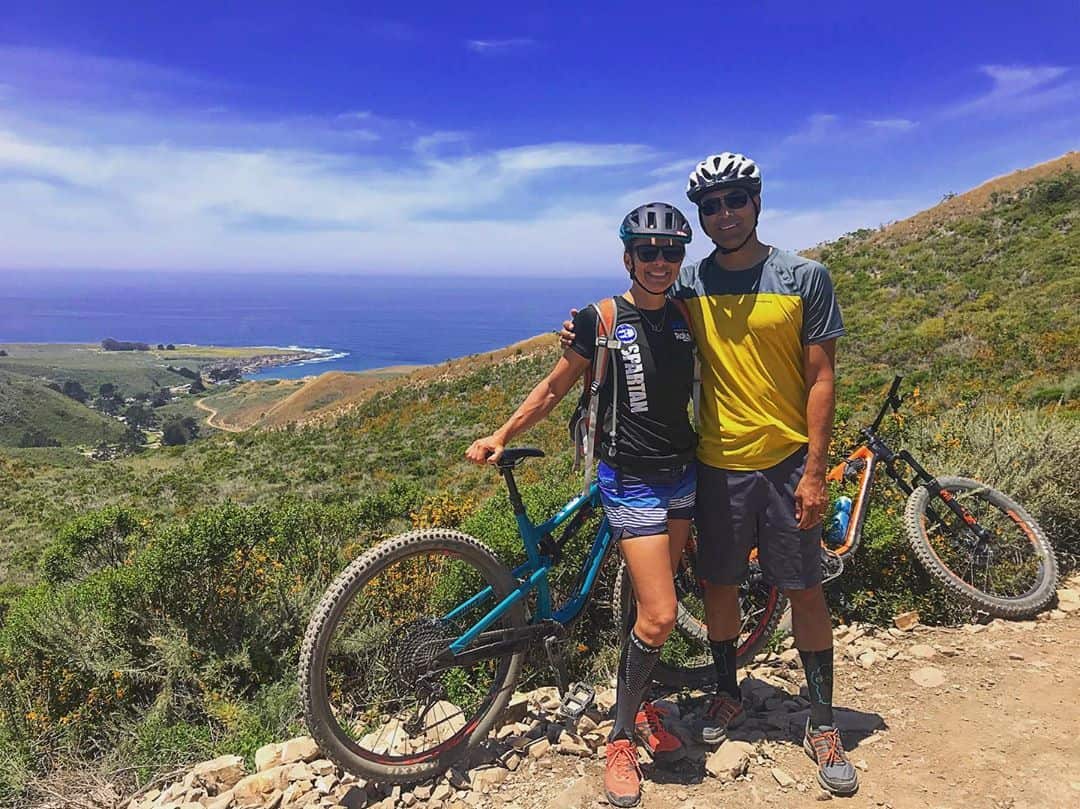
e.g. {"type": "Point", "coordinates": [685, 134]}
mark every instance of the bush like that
{"type": "Point", "coordinates": [145, 636]}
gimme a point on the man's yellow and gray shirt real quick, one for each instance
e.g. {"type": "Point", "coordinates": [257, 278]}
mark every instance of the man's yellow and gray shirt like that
{"type": "Point", "coordinates": [751, 327]}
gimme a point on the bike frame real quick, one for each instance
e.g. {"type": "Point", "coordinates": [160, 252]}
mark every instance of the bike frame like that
{"type": "Point", "coordinates": [542, 554]}
{"type": "Point", "coordinates": [862, 464]}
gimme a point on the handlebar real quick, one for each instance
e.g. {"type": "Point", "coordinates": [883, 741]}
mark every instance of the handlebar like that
{"type": "Point", "coordinates": [891, 401]}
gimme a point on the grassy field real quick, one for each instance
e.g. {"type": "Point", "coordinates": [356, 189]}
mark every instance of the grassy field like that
{"type": "Point", "coordinates": [131, 371]}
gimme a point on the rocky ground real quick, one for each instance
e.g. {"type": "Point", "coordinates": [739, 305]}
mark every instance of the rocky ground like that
{"type": "Point", "coordinates": [976, 716]}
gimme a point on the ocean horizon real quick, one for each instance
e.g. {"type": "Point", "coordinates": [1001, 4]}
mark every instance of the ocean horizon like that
{"type": "Point", "coordinates": [358, 322]}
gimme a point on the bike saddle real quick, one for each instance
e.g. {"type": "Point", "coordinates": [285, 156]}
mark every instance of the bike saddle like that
{"type": "Point", "coordinates": [512, 456]}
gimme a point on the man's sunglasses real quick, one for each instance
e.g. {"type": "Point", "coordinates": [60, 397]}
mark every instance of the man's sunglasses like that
{"type": "Point", "coordinates": [733, 202]}
{"type": "Point", "coordinates": [650, 252]}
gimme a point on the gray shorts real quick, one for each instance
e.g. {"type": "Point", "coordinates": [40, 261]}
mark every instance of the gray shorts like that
{"type": "Point", "coordinates": [738, 511]}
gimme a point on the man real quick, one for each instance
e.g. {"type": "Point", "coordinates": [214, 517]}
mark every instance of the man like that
{"type": "Point", "coordinates": [766, 324]}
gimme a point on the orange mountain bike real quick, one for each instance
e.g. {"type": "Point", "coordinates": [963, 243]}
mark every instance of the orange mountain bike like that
{"type": "Point", "coordinates": [975, 541]}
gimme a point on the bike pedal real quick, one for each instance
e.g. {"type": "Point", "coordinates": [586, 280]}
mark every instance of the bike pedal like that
{"type": "Point", "coordinates": [577, 699]}
{"type": "Point", "coordinates": [832, 565]}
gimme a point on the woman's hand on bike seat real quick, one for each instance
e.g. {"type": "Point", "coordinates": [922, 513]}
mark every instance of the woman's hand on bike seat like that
{"type": "Point", "coordinates": [485, 450]}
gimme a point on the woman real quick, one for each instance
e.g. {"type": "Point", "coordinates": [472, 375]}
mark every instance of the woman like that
{"type": "Point", "coordinates": [647, 473]}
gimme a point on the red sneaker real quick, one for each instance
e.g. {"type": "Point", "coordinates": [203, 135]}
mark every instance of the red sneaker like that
{"type": "Point", "coordinates": [664, 747]}
{"type": "Point", "coordinates": [622, 775]}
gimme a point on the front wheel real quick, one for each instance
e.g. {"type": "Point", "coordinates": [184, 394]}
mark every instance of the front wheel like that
{"type": "Point", "coordinates": [996, 557]}
{"type": "Point", "coordinates": [378, 695]}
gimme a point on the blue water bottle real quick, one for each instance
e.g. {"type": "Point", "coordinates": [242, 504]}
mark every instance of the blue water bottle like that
{"type": "Point", "coordinates": [837, 530]}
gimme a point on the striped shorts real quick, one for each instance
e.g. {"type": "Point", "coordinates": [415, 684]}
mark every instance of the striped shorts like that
{"type": "Point", "coordinates": [641, 506]}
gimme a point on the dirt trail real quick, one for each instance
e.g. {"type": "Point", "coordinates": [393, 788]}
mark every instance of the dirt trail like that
{"type": "Point", "coordinates": [199, 403]}
{"type": "Point", "coordinates": [1001, 732]}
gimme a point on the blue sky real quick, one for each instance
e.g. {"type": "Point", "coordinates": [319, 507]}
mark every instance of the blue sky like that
{"type": "Point", "coordinates": [480, 138]}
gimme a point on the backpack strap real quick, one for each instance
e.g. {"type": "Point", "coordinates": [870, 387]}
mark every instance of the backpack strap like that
{"type": "Point", "coordinates": [684, 310]}
{"type": "Point", "coordinates": [606, 342]}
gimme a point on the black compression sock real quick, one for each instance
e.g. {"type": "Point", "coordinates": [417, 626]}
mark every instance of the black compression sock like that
{"type": "Point", "coordinates": [635, 672]}
{"type": "Point", "coordinates": [727, 675]}
{"type": "Point", "coordinates": [819, 681]}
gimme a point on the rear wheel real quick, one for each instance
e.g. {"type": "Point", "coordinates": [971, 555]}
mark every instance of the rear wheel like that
{"type": "Point", "coordinates": [686, 660]}
{"type": "Point", "coordinates": [996, 557]}
{"type": "Point", "coordinates": [374, 697]}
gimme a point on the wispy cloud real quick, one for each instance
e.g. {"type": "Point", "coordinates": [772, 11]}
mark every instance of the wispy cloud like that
{"type": "Point", "coordinates": [436, 144]}
{"type": "Point", "coordinates": [892, 124]}
{"type": "Point", "coordinates": [1017, 89]}
{"type": "Point", "coordinates": [572, 155]}
{"type": "Point", "coordinates": [495, 46]}
{"type": "Point", "coordinates": [817, 128]}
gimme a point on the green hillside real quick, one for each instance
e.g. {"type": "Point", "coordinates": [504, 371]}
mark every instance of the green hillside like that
{"type": "Point", "coordinates": [151, 607]}
{"type": "Point", "coordinates": [27, 406]}
{"type": "Point", "coordinates": [984, 304]}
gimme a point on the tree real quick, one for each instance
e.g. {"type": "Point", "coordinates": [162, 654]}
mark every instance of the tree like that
{"type": "Point", "coordinates": [139, 417]}
{"type": "Point", "coordinates": [133, 439]}
{"type": "Point", "coordinates": [160, 347]}
{"type": "Point", "coordinates": [73, 390]}
{"type": "Point", "coordinates": [107, 389]}
{"type": "Point", "coordinates": [179, 430]}
{"type": "Point", "coordinates": [161, 397]}
{"type": "Point", "coordinates": [197, 385]}
{"type": "Point", "coordinates": [3, 353]}
{"type": "Point", "coordinates": [170, 347]}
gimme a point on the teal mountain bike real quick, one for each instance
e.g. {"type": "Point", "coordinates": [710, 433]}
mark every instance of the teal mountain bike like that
{"type": "Point", "coordinates": [415, 649]}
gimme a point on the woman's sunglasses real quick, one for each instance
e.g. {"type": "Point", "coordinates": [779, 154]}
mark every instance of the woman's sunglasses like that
{"type": "Point", "coordinates": [650, 252]}
{"type": "Point", "coordinates": [733, 202]}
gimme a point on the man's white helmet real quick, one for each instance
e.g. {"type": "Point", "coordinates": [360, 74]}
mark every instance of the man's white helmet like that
{"type": "Point", "coordinates": [725, 170]}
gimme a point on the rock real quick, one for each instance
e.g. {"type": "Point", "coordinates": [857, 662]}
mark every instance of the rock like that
{"type": "Point", "coordinates": [353, 797]}
{"type": "Point", "coordinates": [267, 756]}
{"type": "Point", "coordinates": [730, 760]}
{"type": "Point", "coordinates": [868, 659]}
{"type": "Point", "coordinates": [484, 778]}
{"type": "Point", "coordinates": [922, 651]}
{"type": "Point", "coordinates": [516, 710]}
{"type": "Point", "coordinates": [928, 677]}
{"type": "Point", "coordinates": [302, 748]}
{"type": "Point", "coordinates": [580, 792]}
{"type": "Point", "coordinates": [789, 656]}
{"type": "Point", "coordinates": [220, 801]}
{"type": "Point", "coordinates": [253, 787]}
{"type": "Point", "coordinates": [860, 763]}
{"type": "Point", "coordinates": [442, 792]}
{"type": "Point", "coordinates": [605, 699]}
{"type": "Point", "coordinates": [222, 772]}
{"type": "Point", "coordinates": [906, 621]}
{"type": "Point", "coordinates": [538, 748]}
{"type": "Point", "coordinates": [781, 777]}
{"type": "Point", "coordinates": [1015, 656]}
{"type": "Point", "coordinates": [442, 721]}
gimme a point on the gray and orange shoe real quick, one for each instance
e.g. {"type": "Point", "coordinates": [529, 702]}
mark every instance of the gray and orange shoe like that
{"type": "Point", "coordinates": [723, 712]}
{"type": "Point", "coordinates": [622, 775]}
{"type": "Point", "coordinates": [835, 773]}
{"type": "Point", "coordinates": [663, 745]}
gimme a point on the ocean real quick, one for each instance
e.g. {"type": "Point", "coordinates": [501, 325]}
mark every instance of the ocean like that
{"type": "Point", "coordinates": [360, 322]}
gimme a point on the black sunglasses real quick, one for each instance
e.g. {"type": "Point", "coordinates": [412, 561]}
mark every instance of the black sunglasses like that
{"type": "Point", "coordinates": [733, 202]}
{"type": "Point", "coordinates": [650, 252]}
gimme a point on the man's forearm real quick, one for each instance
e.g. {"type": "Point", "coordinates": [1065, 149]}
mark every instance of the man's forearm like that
{"type": "Point", "coordinates": [820, 410]}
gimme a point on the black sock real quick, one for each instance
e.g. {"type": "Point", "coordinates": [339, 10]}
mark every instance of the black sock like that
{"type": "Point", "coordinates": [635, 672]}
{"type": "Point", "coordinates": [819, 676]}
{"type": "Point", "coordinates": [727, 673]}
